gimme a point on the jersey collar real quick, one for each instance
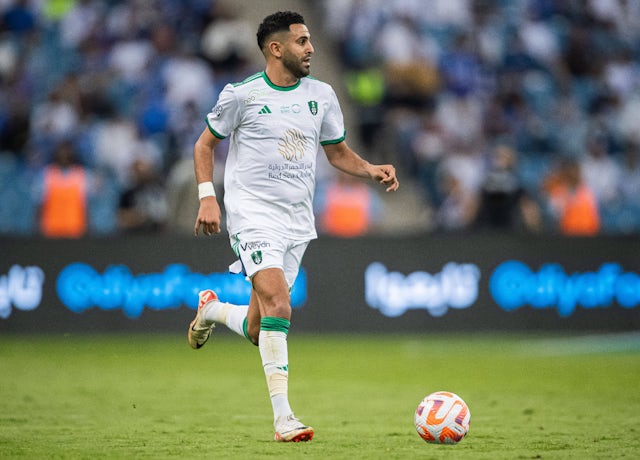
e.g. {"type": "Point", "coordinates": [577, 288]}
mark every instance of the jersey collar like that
{"type": "Point", "coordinates": [280, 88]}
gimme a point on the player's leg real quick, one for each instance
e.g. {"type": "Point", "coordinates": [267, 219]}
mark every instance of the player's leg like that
{"type": "Point", "coordinates": [251, 325]}
{"type": "Point", "coordinates": [272, 293]}
{"type": "Point", "coordinates": [211, 311]}
{"type": "Point", "coordinates": [272, 296]}
{"type": "Point", "coordinates": [231, 315]}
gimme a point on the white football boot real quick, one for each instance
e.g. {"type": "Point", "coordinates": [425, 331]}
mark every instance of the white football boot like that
{"type": "Point", "coordinates": [199, 329]}
{"type": "Point", "coordinates": [290, 429]}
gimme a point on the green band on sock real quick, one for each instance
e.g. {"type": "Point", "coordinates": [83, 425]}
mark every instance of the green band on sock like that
{"type": "Point", "coordinates": [272, 323]}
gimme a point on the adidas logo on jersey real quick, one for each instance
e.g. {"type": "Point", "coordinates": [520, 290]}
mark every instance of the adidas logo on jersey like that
{"type": "Point", "coordinates": [264, 110]}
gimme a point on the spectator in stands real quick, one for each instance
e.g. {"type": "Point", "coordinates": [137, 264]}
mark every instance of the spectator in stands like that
{"type": "Point", "coordinates": [18, 18]}
{"type": "Point", "coordinates": [578, 56]}
{"type": "Point", "coordinates": [622, 73]}
{"type": "Point", "coordinates": [14, 126]}
{"type": "Point", "coordinates": [184, 127]}
{"type": "Point", "coordinates": [143, 206]}
{"type": "Point", "coordinates": [630, 177]}
{"type": "Point", "coordinates": [117, 142]}
{"type": "Point", "coordinates": [539, 39]}
{"type": "Point", "coordinates": [63, 193]}
{"type": "Point", "coordinates": [80, 21]}
{"type": "Point", "coordinates": [411, 73]}
{"type": "Point", "coordinates": [504, 203]}
{"type": "Point", "coordinates": [226, 41]}
{"type": "Point", "coordinates": [572, 202]}
{"type": "Point", "coordinates": [460, 67]}
{"type": "Point", "coordinates": [628, 118]}
{"type": "Point", "coordinates": [459, 204]}
{"type": "Point", "coordinates": [53, 121]}
{"type": "Point", "coordinates": [570, 126]}
{"type": "Point", "coordinates": [601, 171]}
{"type": "Point", "coordinates": [428, 148]}
{"type": "Point", "coordinates": [367, 87]}
{"type": "Point", "coordinates": [357, 28]}
{"type": "Point", "coordinates": [467, 164]}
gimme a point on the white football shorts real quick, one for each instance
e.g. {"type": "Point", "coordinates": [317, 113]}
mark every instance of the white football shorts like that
{"type": "Point", "coordinates": [257, 251]}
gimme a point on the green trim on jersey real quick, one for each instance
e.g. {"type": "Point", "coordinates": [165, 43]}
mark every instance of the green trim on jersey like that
{"type": "Point", "coordinates": [255, 76]}
{"type": "Point", "coordinates": [263, 74]}
{"type": "Point", "coordinates": [334, 141]}
{"type": "Point", "coordinates": [280, 88]}
{"type": "Point", "coordinates": [213, 131]}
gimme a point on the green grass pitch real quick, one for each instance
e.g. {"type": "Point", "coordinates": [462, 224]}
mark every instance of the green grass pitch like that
{"type": "Point", "coordinates": [151, 396]}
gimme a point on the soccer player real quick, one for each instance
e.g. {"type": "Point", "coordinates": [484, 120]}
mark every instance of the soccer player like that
{"type": "Point", "coordinates": [277, 120]}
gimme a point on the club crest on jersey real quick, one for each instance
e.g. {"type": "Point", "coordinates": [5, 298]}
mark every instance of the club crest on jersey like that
{"type": "Point", "coordinates": [257, 257]}
{"type": "Point", "coordinates": [313, 107]}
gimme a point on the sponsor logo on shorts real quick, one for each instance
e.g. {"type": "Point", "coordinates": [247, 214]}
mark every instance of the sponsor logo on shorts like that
{"type": "Point", "coordinates": [254, 245]}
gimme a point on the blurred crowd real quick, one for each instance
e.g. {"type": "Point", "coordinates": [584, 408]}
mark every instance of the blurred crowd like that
{"type": "Point", "coordinates": [510, 114]}
{"type": "Point", "coordinates": [102, 102]}
{"type": "Point", "coordinates": [519, 115]}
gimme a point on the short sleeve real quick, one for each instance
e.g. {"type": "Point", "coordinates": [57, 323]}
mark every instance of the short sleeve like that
{"type": "Point", "coordinates": [332, 129]}
{"type": "Point", "coordinates": [225, 115]}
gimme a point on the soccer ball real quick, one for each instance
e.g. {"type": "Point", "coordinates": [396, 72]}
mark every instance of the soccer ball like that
{"type": "Point", "coordinates": [442, 418]}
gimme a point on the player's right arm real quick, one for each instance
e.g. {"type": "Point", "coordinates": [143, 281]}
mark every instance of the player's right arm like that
{"type": "Point", "coordinates": [209, 215]}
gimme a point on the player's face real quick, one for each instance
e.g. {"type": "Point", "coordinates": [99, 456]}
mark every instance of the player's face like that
{"type": "Point", "coordinates": [296, 55]}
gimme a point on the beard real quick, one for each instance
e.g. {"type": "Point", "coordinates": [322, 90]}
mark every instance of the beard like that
{"type": "Point", "coordinates": [295, 66]}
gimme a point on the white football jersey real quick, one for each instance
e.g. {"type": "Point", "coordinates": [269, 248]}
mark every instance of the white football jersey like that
{"type": "Point", "coordinates": [275, 134]}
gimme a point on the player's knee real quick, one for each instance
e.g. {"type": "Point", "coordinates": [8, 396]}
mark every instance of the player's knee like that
{"type": "Point", "coordinates": [279, 310]}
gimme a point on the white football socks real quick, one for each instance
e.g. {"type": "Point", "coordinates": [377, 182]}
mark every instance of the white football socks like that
{"type": "Point", "coordinates": [228, 314]}
{"type": "Point", "coordinates": [275, 361]}
{"type": "Point", "coordinates": [272, 345]}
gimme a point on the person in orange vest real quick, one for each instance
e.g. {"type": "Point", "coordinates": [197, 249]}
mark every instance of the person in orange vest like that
{"type": "Point", "coordinates": [572, 201]}
{"type": "Point", "coordinates": [64, 196]}
{"type": "Point", "coordinates": [347, 207]}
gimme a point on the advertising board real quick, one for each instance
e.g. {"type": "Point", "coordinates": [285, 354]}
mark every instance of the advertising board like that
{"type": "Point", "coordinates": [477, 282]}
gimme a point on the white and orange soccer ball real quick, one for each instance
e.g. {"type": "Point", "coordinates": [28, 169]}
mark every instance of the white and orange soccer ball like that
{"type": "Point", "coordinates": [442, 418]}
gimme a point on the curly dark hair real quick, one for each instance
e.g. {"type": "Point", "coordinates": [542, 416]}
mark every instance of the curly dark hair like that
{"type": "Point", "coordinates": [277, 22]}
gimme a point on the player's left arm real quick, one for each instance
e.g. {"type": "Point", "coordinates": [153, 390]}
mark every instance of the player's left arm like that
{"type": "Point", "coordinates": [342, 157]}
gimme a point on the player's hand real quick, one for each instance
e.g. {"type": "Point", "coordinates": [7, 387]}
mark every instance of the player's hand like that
{"type": "Point", "coordinates": [209, 217]}
{"type": "Point", "coordinates": [386, 175]}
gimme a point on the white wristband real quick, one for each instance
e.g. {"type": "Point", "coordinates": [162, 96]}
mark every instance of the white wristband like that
{"type": "Point", "coordinates": [206, 189]}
